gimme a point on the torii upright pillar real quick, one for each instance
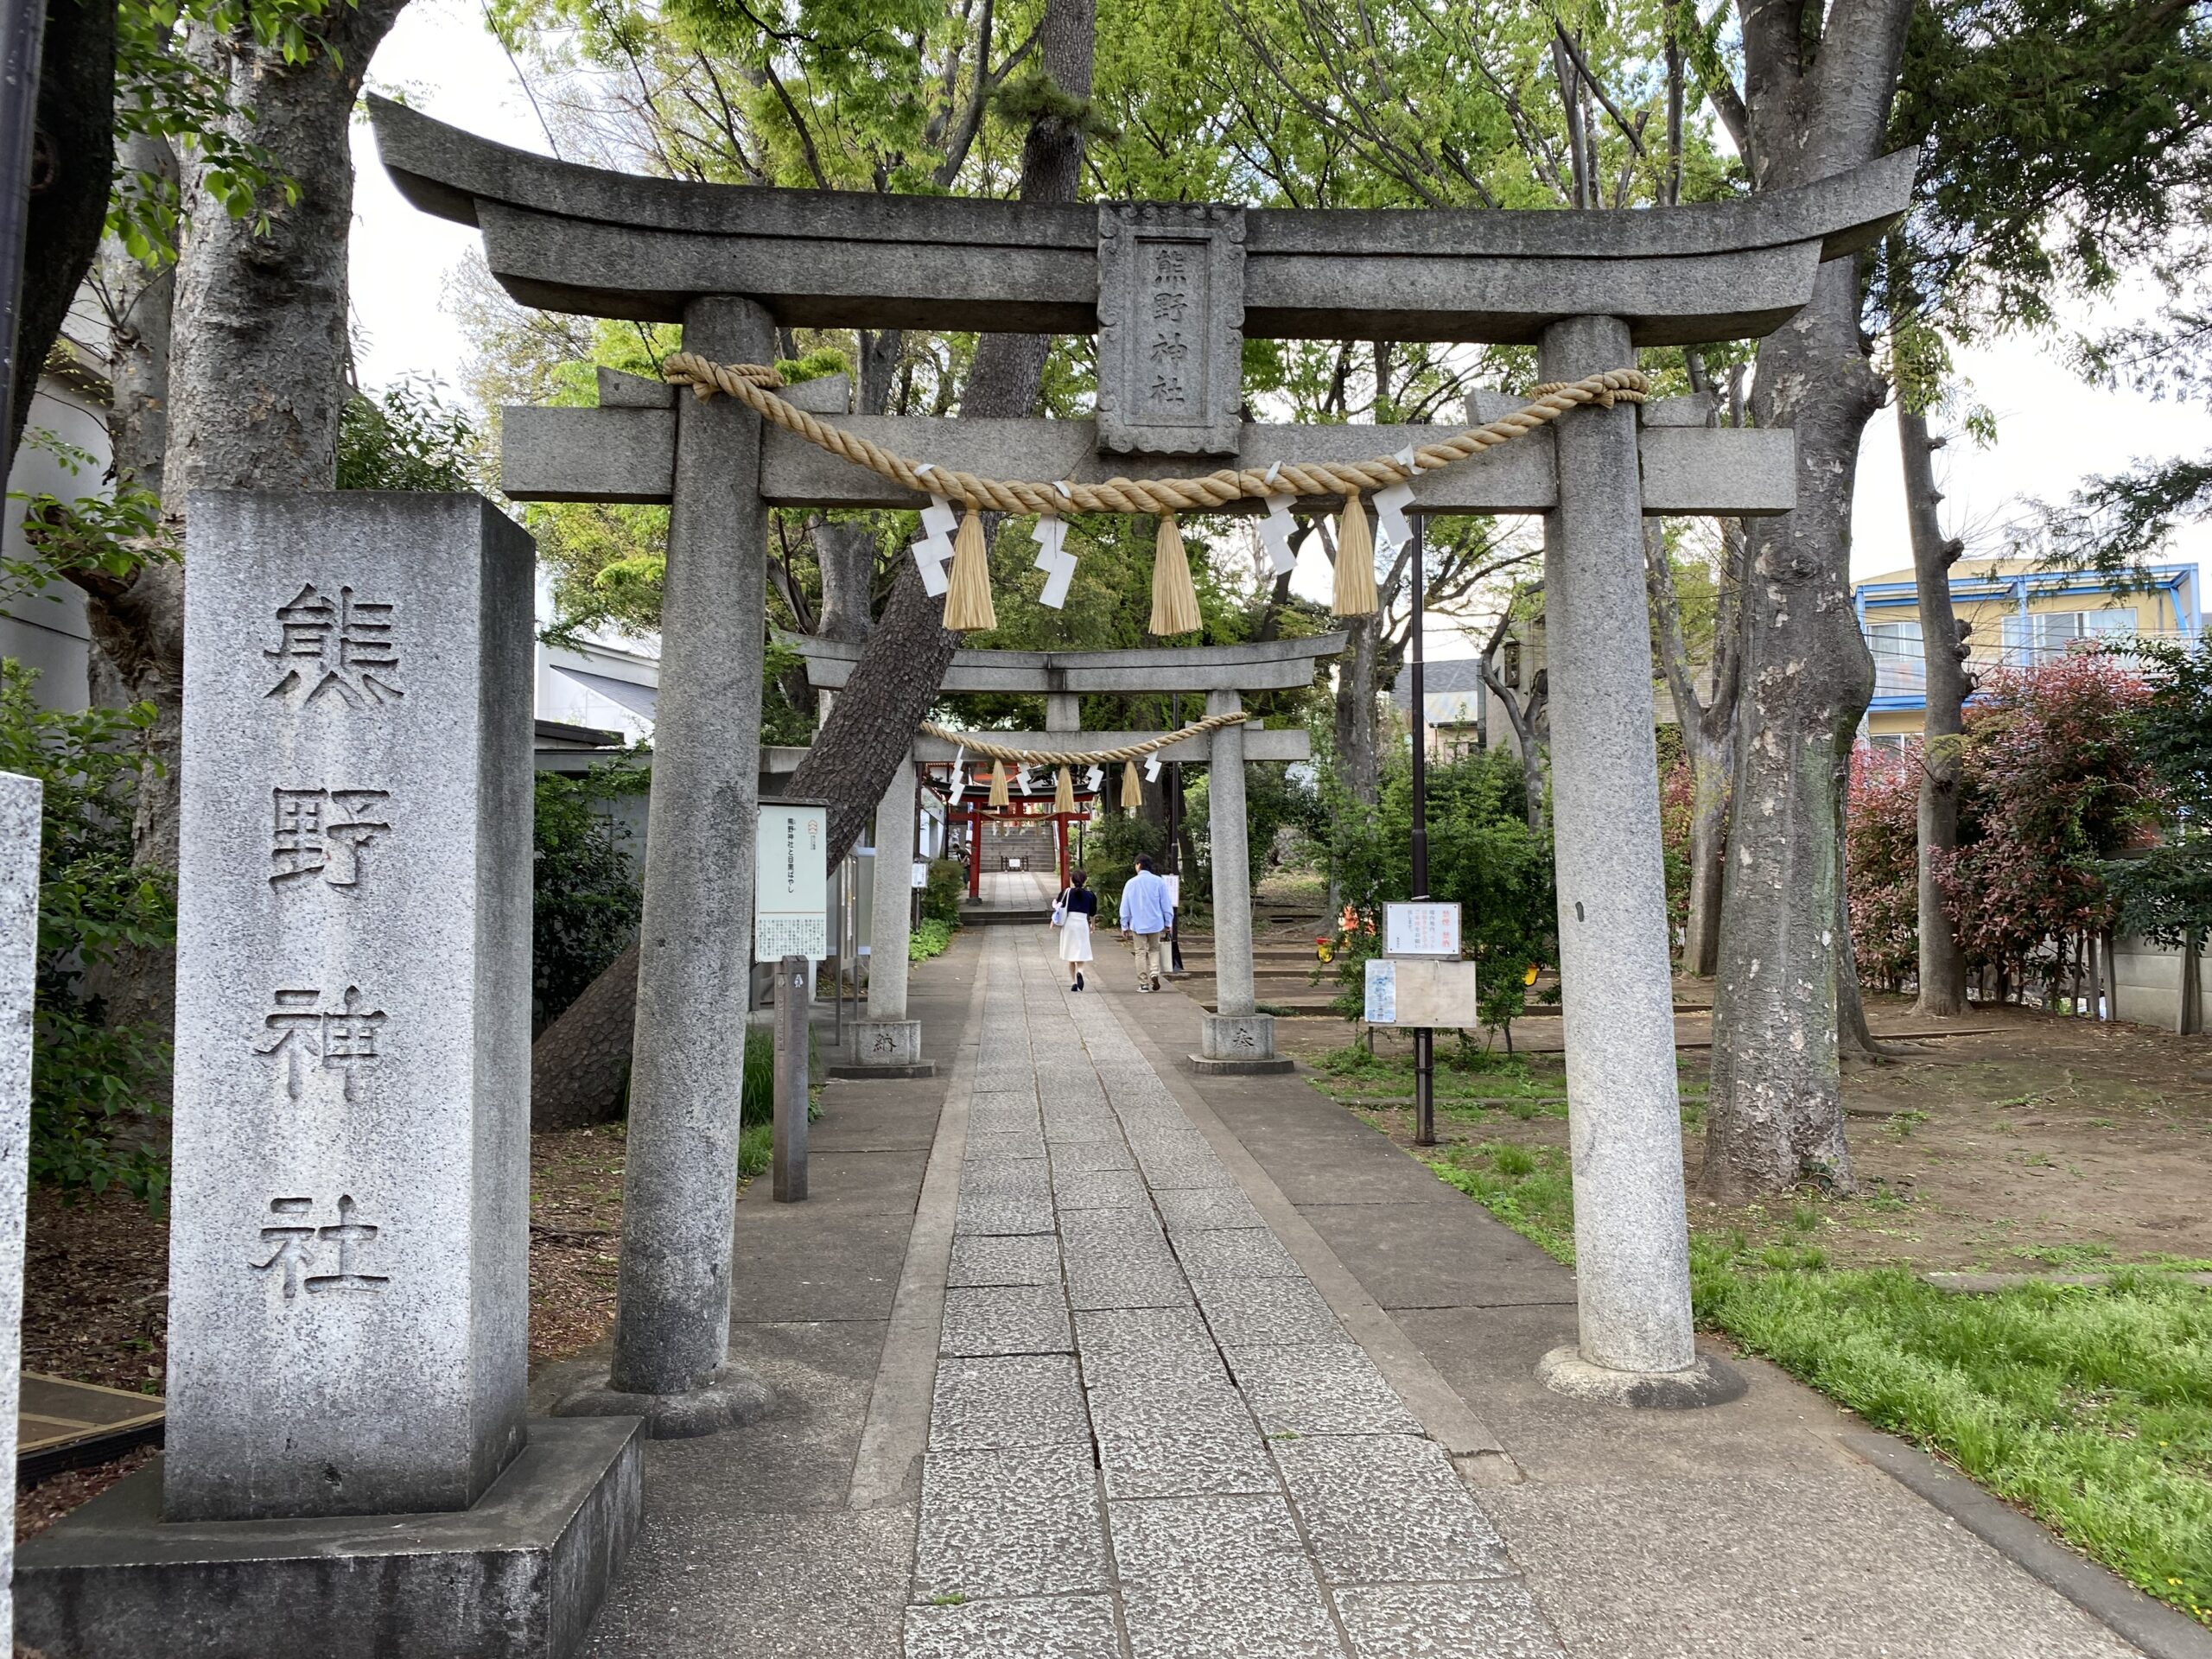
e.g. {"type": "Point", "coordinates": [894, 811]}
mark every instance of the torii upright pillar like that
{"type": "Point", "coordinates": [1235, 1037]}
{"type": "Point", "coordinates": [1631, 1237]}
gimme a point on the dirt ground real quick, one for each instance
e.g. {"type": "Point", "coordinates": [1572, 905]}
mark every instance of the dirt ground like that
{"type": "Point", "coordinates": [2048, 1142]}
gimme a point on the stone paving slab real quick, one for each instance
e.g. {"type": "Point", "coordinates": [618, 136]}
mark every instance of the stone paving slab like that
{"type": "Point", "coordinates": [1186, 1620]}
{"type": "Point", "coordinates": [1142, 1283]}
{"type": "Point", "coordinates": [1055, 1627]}
{"type": "Point", "coordinates": [1026, 1400]}
{"type": "Point", "coordinates": [982, 1213]}
{"type": "Point", "coordinates": [1388, 1507]}
{"type": "Point", "coordinates": [1092, 1155]}
{"type": "Point", "coordinates": [1005, 1259]}
{"type": "Point", "coordinates": [1181, 1462]}
{"type": "Point", "coordinates": [1009, 1524]}
{"type": "Point", "coordinates": [1151, 1438]}
{"type": "Point", "coordinates": [1208, 1209]}
{"type": "Point", "coordinates": [1006, 1178]}
{"type": "Point", "coordinates": [1314, 1388]}
{"type": "Point", "coordinates": [1005, 1319]}
{"type": "Point", "coordinates": [1243, 1254]}
{"type": "Point", "coordinates": [1100, 1189]}
{"type": "Point", "coordinates": [1494, 1619]}
{"type": "Point", "coordinates": [1244, 1541]}
{"type": "Point", "coordinates": [1267, 1312]}
{"type": "Point", "coordinates": [1141, 1329]}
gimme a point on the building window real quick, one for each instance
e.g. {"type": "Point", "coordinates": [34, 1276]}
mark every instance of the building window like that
{"type": "Point", "coordinates": [2045, 636]}
{"type": "Point", "coordinates": [1900, 669]}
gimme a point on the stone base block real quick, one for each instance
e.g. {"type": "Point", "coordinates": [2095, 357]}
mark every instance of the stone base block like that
{"type": "Point", "coordinates": [1710, 1381]}
{"type": "Point", "coordinates": [885, 1048]}
{"type": "Point", "coordinates": [518, 1576]}
{"type": "Point", "coordinates": [1237, 1045]}
{"type": "Point", "coordinates": [731, 1398]}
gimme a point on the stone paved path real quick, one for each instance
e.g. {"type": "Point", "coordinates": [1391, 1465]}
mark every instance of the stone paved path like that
{"type": "Point", "coordinates": [1150, 1438]}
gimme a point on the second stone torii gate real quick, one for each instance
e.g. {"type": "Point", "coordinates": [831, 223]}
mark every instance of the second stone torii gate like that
{"type": "Point", "coordinates": [1236, 1036]}
{"type": "Point", "coordinates": [733, 263]}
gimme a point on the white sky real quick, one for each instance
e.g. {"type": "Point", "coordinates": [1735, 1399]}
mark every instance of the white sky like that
{"type": "Point", "coordinates": [2052, 430]}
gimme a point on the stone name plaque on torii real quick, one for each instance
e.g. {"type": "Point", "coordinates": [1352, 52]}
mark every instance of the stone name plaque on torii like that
{"type": "Point", "coordinates": [1171, 328]}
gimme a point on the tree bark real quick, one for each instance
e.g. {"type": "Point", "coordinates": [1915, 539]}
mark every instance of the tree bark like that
{"type": "Point", "coordinates": [73, 160]}
{"type": "Point", "coordinates": [1358, 759]}
{"type": "Point", "coordinates": [256, 377]}
{"type": "Point", "coordinates": [1776, 1110]}
{"type": "Point", "coordinates": [873, 719]}
{"type": "Point", "coordinates": [580, 1065]}
{"type": "Point", "coordinates": [1943, 964]}
{"type": "Point", "coordinates": [1708, 729]}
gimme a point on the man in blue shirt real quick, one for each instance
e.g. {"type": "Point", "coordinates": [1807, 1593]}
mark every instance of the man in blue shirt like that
{"type": "Point", "coordinates": [1146, 915]}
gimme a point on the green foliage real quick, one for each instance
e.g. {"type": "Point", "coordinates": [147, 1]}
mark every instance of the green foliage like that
{"type": "Point", "coordinates": [1481, 854]}
{"type": "Point", "coordinates": [1110, 855]}
{"type": "Point", "coordinates": [2090, 1408]}
{"type": "Point", "coordinates": [947, 887]}
{"type": "Point", "coordinates": [163, 92]}
{"type": "Point", "coordinates": [586, 900]}
{"type": "Point", "coordinates": [931, 938]}
{"type": "Point", "coordinates": [98, 1091]}
{"type": "Point", "coordinates": [408, 438]}
{"type": "Point", "coordinates": [2166, 893]}
{"type": "Point", "coordinates": [105, 538]}
{"type": "Point", "coordinates": [1530, 1189]}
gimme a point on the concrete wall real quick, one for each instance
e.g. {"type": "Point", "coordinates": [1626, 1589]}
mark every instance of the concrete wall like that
{"type": "Point", "coordinates": [2147, 985]}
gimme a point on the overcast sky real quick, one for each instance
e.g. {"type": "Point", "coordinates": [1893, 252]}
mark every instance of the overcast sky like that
{"type": "Point", "coordinates": [2052, 430]}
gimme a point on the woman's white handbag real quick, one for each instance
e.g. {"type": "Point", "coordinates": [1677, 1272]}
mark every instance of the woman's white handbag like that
{"type": "Point", "coordinates": [1060, 911]}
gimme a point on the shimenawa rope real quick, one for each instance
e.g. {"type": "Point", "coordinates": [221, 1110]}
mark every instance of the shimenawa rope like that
{"type": "Point", "coordinates": [753, 384]}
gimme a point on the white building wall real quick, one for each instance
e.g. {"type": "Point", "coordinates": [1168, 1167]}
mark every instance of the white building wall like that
{"type": "Point", "coordinates": [45, 629]}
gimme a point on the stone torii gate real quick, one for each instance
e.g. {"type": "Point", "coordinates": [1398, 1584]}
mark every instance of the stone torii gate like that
{"type": "Point", "coordinates": [732, 263]}
{"type": "Point", "coordinates": [1237, 1037]}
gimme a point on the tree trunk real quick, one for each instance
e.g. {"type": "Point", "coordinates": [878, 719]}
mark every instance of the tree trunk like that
{"type": "Point", "coordinates": [1943, 964]}
{"type": "Point", "coordinates": [1359, 762]}
{"type": "Point", "coordinates": [846, 553]}
{"type": "Point", "coordinates": [1776, 1109]}
{"type": "Point", "coordinates": [580, 1065]}
{"type": "Point", "coordinates": [873, 720]}
{"type": "Point", "coordinates": [258, 375]}
{"type": "Point", "coordinates": [73, 160]}
{"type": "Point", "coordinates": [1710, 771]}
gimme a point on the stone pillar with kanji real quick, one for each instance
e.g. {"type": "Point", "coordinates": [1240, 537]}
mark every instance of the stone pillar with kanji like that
{"type": "Point", "coordinates": [349, 1257]}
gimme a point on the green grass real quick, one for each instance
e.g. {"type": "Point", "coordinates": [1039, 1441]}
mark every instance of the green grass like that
{"type": "Point", "coordinates": [755, 1146]}
{"type": "Point", "coordinates": [931, 938]}
{"type": "Point", "coordinates": [2089, 1408]}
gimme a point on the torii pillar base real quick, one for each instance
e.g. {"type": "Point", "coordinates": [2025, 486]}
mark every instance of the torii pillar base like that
{"type": "Point", "coordinates": [885, 1049]}
{"type": "Point", "coordinates": [1237, 1046]}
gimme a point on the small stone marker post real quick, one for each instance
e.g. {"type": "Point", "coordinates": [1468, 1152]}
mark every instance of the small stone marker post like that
{"type": "Point", "coordinates": [21, 799]}
{"type": "Point", "coordinates": [349, 1256]}
{"type": "Point", "coordinates": [794, 975]}
{"type": "Point", "coordinates": [886, 1043]}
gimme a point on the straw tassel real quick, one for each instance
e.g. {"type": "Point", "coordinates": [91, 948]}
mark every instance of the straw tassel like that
{"type": "Point", "coordinates": [1174, 601]}
{"type": "Point", "coordinates": [1063, 792]}
{"type": "Point", "coordinates": [1132, 788]}
{"type": "Point", "coordinates": [999, 797]}
{"type": "Point", "coordinates": [968, 600]}
{"type": "Point", "coordinates": [1354, 595]}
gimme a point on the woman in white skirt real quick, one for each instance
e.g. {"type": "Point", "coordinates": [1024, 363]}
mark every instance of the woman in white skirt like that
{"type": "Point", "coordinates": [1072, 914]}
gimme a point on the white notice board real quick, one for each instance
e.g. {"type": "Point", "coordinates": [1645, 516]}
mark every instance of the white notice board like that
{"type": "Point", "coordinates": [1420, 991]}
{"type": "Point", "coordinates": [1421, 929]}
{"type": "Point", "coordinates": [790, 883]}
